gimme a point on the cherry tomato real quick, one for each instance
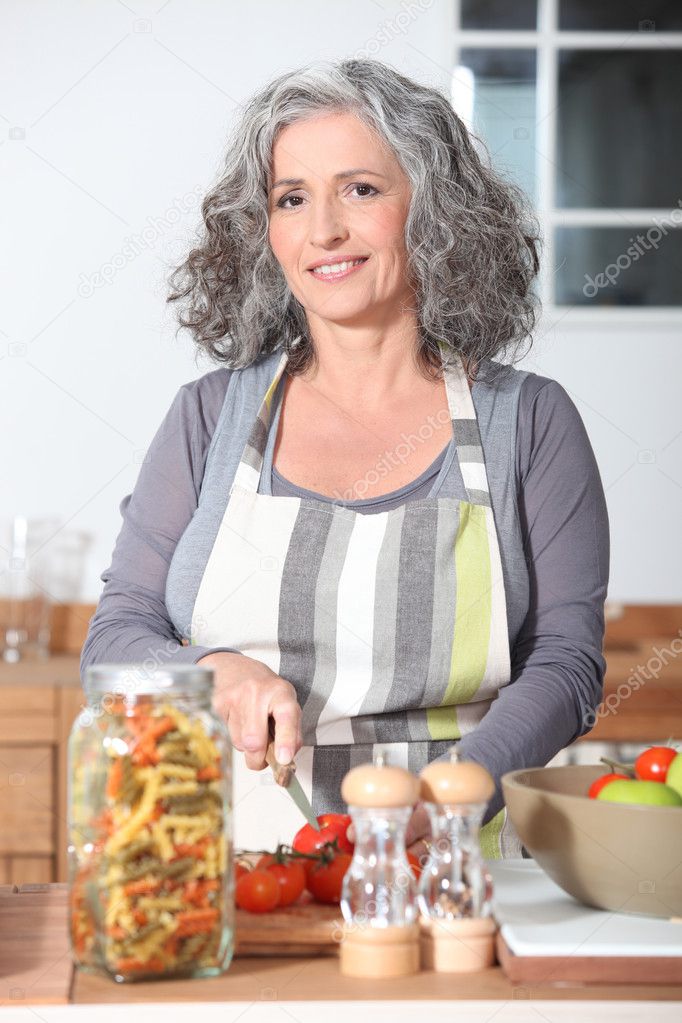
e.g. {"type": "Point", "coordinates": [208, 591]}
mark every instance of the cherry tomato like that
{"type": "Point", "coordinates": [290, 877]}
{"type": "Point", "coordinates": [339, 823]}
{"type": "Point", "coordinates": [415, 865]}
{"type": "Point", "coordinates": [325, 879]}
{"type": "Point", "coordinates": [332, 825]}
{"type": "Point", "coordinates": [257, 891]}
{"type": "Point", "coordinates": [597, 785]}
{"type": "Point", "coordinates": [653, 763]}
{"type": "Point", "coordinates": [239, 871]}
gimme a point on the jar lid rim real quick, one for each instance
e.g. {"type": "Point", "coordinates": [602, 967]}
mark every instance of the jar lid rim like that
{"type": "Point", "coordinates": [138, 679]}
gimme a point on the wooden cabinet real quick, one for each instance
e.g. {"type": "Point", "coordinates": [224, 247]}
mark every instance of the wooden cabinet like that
{"type": "Point", "coordinates": [38, 704]}
{"type": "Point", "coordinates": [643, 685]}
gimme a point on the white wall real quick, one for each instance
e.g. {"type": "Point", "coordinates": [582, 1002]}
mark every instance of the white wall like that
{"type": "Point", "coordinates": [115, 116]}
{"type": "Point", "coordinates": [625, 381]}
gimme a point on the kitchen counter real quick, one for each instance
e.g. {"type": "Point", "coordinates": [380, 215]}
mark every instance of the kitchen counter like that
{"type": "Point", "coordinates": [36, 971]}
{"type": "Point", "coordinates": [475, 1011]}
{"type": "Point", "coordinates": [255, 980]}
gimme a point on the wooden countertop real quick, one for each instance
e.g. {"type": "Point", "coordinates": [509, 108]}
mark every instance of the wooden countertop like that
{"type": "Point", "coordinates": [36, 970]}
{"type": "Point", "coordinates": [56, 670]}
{"type": "Point", "coordinates": [643, 684]}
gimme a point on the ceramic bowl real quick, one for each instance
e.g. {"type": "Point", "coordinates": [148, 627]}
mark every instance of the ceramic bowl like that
{"type": "Point", "coordinates": [616, 856]}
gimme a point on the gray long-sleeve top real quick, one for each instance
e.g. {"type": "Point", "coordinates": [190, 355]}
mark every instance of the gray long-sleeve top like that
{"type": "Point", "coordinates": [557, 661]}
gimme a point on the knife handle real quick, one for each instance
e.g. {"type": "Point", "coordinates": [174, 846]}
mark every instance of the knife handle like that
{"type": "Point", "coordinates": [282, 772]}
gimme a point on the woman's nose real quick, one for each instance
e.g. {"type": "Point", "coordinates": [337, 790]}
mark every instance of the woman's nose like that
{"type": "Point", "coordinates": [326, 224]}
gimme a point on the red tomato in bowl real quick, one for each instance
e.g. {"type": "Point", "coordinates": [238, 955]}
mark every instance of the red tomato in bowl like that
{"type": "Point", "coordinates": [599, 783]}
{"type": "Point", "coordinates": [653, 763]}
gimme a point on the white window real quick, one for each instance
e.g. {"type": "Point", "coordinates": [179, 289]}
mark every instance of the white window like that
{"type": "Point", "coordinates": [580, 103]}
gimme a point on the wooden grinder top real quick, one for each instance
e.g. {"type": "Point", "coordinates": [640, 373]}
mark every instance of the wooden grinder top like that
{"type": "Point", "coordinates": [380, 784]}
{"type": "Point", "coordinates": [456, 781]}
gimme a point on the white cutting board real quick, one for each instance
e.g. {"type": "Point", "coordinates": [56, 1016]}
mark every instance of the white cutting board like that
{"type": "Point", "coordinates": [537, 918]}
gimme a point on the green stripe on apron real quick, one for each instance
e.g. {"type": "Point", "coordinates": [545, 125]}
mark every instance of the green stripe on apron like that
{"type": "Point", "coordinates": [472, 621]}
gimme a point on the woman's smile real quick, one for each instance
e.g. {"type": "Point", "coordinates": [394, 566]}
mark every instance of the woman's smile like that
{"type": "Point", "coordinates": [330, 272]}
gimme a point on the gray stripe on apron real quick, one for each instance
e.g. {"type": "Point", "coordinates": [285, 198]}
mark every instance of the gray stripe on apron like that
{"type": "Point", "coordinates": [326, 576]}
{"type": "Point", "coordinates": [330, 762]}
{"type": "Point", "coordinates": [443, 622]}
{"type": "Point", "coordinates": [296, 637]}
{"type": "Point", "coordinates": [414, 611]}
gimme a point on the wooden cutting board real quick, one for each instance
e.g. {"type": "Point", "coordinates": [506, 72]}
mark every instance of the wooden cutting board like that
{"type": "Point", "coordinates": [542, 970]}
{"type": "Point", "coordinates": [306, 928]}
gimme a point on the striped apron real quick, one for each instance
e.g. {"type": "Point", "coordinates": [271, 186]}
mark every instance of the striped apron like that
{"type": "Point", "coordinates": [392, 627]}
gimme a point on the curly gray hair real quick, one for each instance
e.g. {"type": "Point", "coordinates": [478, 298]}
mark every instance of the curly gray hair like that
{"type": "Point", "coordinates": [470, 235]}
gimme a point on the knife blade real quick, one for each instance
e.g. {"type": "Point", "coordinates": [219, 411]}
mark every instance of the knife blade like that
{"type": "Point", "coordinates": [285, 775]}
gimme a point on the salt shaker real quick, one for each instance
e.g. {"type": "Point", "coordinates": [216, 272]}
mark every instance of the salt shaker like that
{"type": "Point", "coordinates": [379, 898]}
{"type": "Point", "coordinates": [455, 889]}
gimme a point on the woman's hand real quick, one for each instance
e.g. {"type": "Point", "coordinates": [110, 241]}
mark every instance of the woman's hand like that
{"type": "Point", "coordinates": [246, 692]}
{"type": "Point", "coordinates": [418, 829]}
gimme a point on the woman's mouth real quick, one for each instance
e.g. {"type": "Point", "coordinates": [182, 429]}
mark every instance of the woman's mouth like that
{"type": "Point", "coordinates": [337, 271]}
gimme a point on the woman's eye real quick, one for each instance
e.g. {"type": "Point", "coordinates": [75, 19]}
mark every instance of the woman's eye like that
{"type": "Point", "coordinates": [358, 184]}
{"type": "Point", "coordinates": [363, 184]}
{"type": "Point", "coordinates": [285, 199]}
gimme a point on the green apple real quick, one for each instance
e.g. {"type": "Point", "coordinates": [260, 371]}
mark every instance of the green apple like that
{"type": "Point", "coordinates": [651, 793]}
{"type": "Point", "coordinates": [674, 776]}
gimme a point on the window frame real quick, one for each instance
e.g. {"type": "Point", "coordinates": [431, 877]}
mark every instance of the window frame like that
{"type": "Point", "coordinates": [548, 40]}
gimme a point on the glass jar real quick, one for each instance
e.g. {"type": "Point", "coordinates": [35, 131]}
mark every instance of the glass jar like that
{"type": "Point", "coordinates": [379, 888]}
{"type": "Point", "coordinates": [151, 876]}
{"type": "Point", "coordinates": [380, 936]}
{"type": "Point", "coordinates": [455, 882]}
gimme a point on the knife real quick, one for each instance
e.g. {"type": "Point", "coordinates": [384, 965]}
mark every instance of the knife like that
{"type": "Point", "coordinates": [286, 777]}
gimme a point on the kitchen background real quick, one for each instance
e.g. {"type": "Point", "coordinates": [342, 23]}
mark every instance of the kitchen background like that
{"type": "Point", "coordinates": [113, 125]}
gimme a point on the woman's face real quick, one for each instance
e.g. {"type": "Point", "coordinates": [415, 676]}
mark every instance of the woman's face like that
{"type": "Point", "coordinates": [323, 214]}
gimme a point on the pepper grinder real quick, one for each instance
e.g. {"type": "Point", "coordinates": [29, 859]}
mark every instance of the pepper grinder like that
{"type": "Point", "coordinates": [455, 889]}
{"type": "Point", "coordinates": [379, 894]}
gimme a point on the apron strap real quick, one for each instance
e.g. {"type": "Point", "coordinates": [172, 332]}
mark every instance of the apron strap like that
{"type": "Point", "coordinates": [467, 436]}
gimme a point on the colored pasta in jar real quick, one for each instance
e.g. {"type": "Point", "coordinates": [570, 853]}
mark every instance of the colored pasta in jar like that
{"type": "Point", "coordinates": [151, 887]}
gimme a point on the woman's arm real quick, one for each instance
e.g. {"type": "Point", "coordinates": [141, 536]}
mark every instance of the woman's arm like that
{"type": "Point", "coordinates": [131, 622]}
{"type": "Point", "coordinates": [557, 662]}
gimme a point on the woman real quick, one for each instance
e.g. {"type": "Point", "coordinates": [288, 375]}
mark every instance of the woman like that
{"type": "Point", "coordinates": [363, 522]}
